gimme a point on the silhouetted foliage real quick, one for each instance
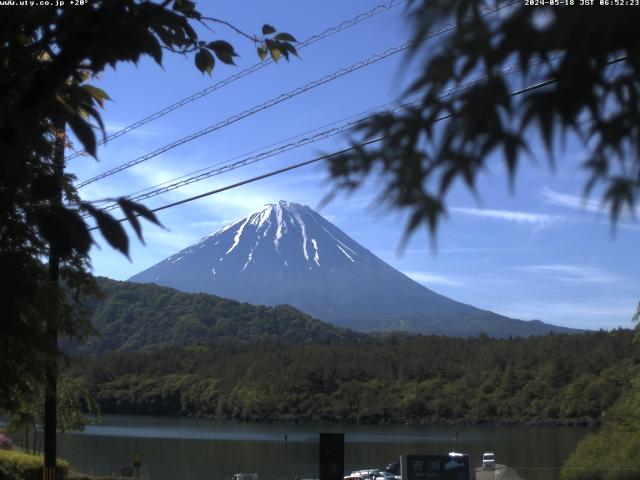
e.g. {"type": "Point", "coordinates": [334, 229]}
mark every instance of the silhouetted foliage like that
{"type": "Point", "coordinates": [547, 379]}
{"type": "Point", "coordinates": [48, 56]}
{"type": "Point", "coordinates": [468, 112]}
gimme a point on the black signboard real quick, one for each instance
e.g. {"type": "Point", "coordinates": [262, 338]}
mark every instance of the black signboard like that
{"type": "Point", "coordinates": [331, 456]}
{"type": "Point", "coordinates": [440, 467]}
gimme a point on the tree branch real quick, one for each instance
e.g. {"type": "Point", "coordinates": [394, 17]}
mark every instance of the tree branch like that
{"type": "Point", "coordinates": [253, 38]}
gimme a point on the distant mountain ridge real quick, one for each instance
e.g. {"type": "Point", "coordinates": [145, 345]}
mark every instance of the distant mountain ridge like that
{"type": "Point", "coordinates": [286, 253]}
{"type": "Point", "coordinates": [137, 317]}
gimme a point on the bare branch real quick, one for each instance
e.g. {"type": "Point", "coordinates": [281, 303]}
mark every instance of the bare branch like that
{"type": "Point", "coordinates": [253, 38]}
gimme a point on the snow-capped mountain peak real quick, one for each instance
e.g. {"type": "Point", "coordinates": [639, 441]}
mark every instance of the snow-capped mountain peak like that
{"type": "Point", "coordinates": [284, 233]}
{"type": "Point", "coordinates": [286, 253]}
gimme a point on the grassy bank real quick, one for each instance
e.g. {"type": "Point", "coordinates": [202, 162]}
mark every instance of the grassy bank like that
{"type": "Point", "coordinates": [17, 465]}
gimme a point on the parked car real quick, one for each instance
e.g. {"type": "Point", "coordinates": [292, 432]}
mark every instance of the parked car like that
{"type": "Point", "coordinates": [385, 475]}
{"type": "Point", "coordinates": [364, 473]}
{"type": "Point", "coordinates": [372, 474]}
{"type": "Point", "coordinates": [488, 461]}
{"type": "Point", "coordinates": [393, 467]}
{"type": "Point", "coordinates": [245, 476]}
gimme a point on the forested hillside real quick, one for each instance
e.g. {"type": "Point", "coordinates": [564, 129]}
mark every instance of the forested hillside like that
{"type": "Point", "coordinates": [550, 379]}
{"type": "Point", "coordinates": [612, 452]}
{"type": "Point", "coordinates": [132, 316]}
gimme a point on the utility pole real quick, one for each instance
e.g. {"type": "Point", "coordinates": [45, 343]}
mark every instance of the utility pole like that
{"type": "Point", "coordinates": [51, 367]}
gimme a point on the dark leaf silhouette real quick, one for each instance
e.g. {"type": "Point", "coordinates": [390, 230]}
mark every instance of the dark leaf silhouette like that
{"type": "Point", "coordinates": [268, 29]}
{"type": "Point", "coordinates": [499, 83]}
{"type": "Point", "coordinates": [223, 50]}
{"type": "Point", "coordinates": [204, 61]}
{"type": "Point", "coordinates": [110, 228]}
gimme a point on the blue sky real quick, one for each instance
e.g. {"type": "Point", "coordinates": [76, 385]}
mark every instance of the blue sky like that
{"type": "Point", "coordinates": [539, 252]}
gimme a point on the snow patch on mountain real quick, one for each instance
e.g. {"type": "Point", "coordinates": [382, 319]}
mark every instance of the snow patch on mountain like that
{"type": "Point", "coordinates": [236, 238]}
{"type": "Point", "coordinates": [316, 256]}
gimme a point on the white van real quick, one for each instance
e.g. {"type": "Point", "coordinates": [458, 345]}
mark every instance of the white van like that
{"type": "Point", "coordinates": [488, 461]}
{"type": "Point", "coordinates": [245, 476]}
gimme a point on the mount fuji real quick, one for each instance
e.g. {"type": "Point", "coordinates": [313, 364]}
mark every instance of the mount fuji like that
{"type": "Point", "coordinates": [286, 253]}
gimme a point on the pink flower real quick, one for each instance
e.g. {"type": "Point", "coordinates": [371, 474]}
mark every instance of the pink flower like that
{"type": "Point", "coordinates": [5, 442]}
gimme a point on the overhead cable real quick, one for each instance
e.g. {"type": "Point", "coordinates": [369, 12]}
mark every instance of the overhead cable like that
{"type": "Point", "coordinates": [284, 146]}
{"type": "Point", "coordinates": [526, 89]}
{"type": "Point", "coordinates": [245, 72]}
{"type": "Point", "coordinates": [276, 100]}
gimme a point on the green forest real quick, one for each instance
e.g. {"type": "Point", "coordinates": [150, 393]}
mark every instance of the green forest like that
{"type": "Point", "coordinates": [553, 379]}
{"type": "Point", "coordinates": [612, 452]}
{"type": "Point", "coordinates": [137, 316]}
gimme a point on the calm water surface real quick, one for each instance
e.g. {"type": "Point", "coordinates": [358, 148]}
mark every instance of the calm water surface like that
{"type": "Point", "coordinates": [197, 449]}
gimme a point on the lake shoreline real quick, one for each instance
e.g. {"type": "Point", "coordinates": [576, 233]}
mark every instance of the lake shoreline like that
{"type": "Point", "coordinates": [370, 420]}
{"type": "Point", "coordinates": [179, 447]}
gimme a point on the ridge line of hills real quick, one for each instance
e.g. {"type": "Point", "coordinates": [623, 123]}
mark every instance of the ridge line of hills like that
{"type": "Point", "coordinates": [136, 317]}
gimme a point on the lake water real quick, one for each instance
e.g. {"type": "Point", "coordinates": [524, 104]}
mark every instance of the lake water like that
{"type": "Point", "coordinates": [197, 449]}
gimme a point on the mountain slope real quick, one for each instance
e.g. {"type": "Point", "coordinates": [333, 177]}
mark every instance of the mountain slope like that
{"type": "Point", "coordinates": [133, 317]}
{"type": "Point", "coordinates": [287, 253]}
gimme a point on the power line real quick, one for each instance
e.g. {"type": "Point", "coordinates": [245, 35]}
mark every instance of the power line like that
{"type": "Point", "coordinates": [258, 108]}
{"type": "Point", "coordinates": [247, 161]}
{"type": "Point", "coordinates": [282, 147]}
{"type": "Point", "coordinates": [276, 100]}
{"type": "Point", "coordinates": [247, 71]}
{"type": "Point", "coordinates": [526, 89]}
{"type": "Point", "coordinates": [255, 179]}
{"type": "Point", "coordinates": [246, 154]}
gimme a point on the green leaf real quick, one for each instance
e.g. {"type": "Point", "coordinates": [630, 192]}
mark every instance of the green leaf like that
{"type": "Point", "coordinates": [268, 29]}
{"type": "Point", "coordinates": [110, 228]}
{"type": "Point", "coordinates": [133, 210]}
{"type": "Point", "coordinates": [129, 210]}
{"type": "Point", "coordinates": [285, 37]}
{"type": "Point", "coordinates": [149, 43]}
{"type": "Point", "coordinates": [223, 50]}
{"type": "Point", "coordinates": [621, 192]}
{"type": "Point", "coordinates": [97, 93]}
{"type": "Point", "coordinates": [287, 47]}
{"type": "Point", "coordinates": [144, 212]}
{"type": "Point", "coordinates": [167, 37]}
{"type": "Point", "coordinates": [184, 6]}
{"type": "Point", "coordinates": [274, 49]}
{"type": "Point", "coordinates": [275, 54]}
{"type": "Point", "coordinates": [83, 130]}
{"type": "Point", "coordinates": [205, 61]}
{"type": "Point", "coordinates": [262, 53]}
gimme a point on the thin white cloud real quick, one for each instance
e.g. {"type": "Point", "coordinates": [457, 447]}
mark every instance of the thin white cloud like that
{"type": "Point", "coordinates": [434, 279]}
{"type": "Point", "coordinates": [538, 220]}
{"type": "Point", "coordinates": [164, 242]}
{"type": "Point", "coordinates": [210, 224]}
{"type": "Point", "coordinates": [146, 132]}
{"type": "Point", "coordinates": [573, 202]}
{"type": "Point", "coordinates": [573, 273]}
{"type": "Point", "coordinates": [585, 314]}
